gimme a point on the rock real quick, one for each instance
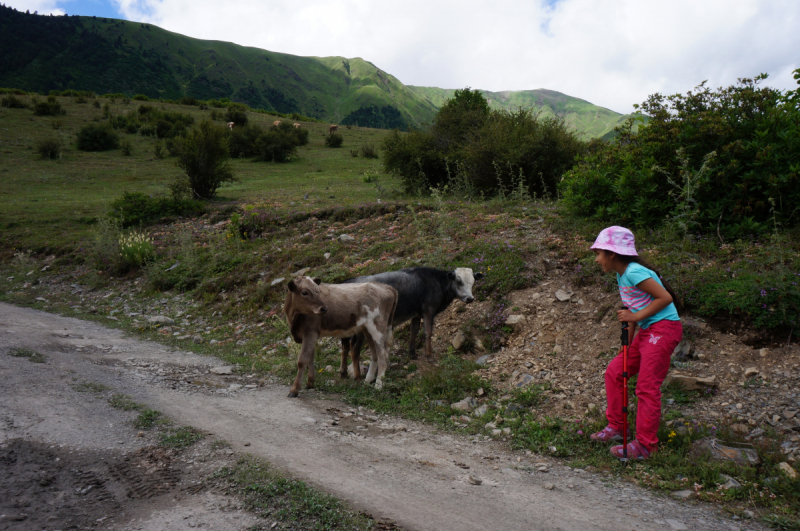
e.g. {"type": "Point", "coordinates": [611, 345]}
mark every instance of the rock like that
{"type": "Point", "coordinates": [751, 372]}
{"type": "Point", "coordinates": [674, 524]}
{"type": "Point", "coordinates": [214, 342]}
{"type": "Point", "coordinates": [748, 514]}
{"type": "Point", "coordinates": [458, 340]}
{"type": "Point", "coordinates": [524, 379]}
{"type": "Point", "coordinates": [301, 272]}
{"type": "Point", "coordinates": [691, 383]}
{"type": "Point", "coordinates": [160, 319]}
{"type": "Point", "coordinates": [549, 486]}
{"type": "Point", "coordinates": [763, 352]}
{"type": "Point", "coordinates": [241, 342]}
{"type": "Point", "coordinates": [506, 431]}
{"type": "Point", "coordinates": [516, 322]}
{"type": "Point", "coordinates": [226, 369]}
{"type": "Point", "coordinates": [755, 433]}
{"type": "Point", "coordinates": [730, 483]}
{"type": "Point", "coordinates": [548, 264]}
{"type": "Point", "coordinates": [474, 481]}
{"type": "Point", "coordinates": [789, 414]}
{"type": "Point", "coordinates": [346, 238]}
{"type": "Point", "coordinates": [711, 448]}
{"type": "Point", "coordinates": [480, 410]}
{"type": "Point", "coordinates": [467, 404]}
{"type": "Point", "coordinates": [327, 256]}
{"type": "Point", "coordinates": [514, 408]}
{"type": "Point", "coordinates": [562, 295]}
{"type": "Point", "coordinates": [684, 350]}
{"type": "Point", "coordinates": [277, 281]}
{"type": "Point", "coordinates": [490, 426]}
{"type": "Point", "coordinates": [479, 346]}
{"type": "Point", "coordinates": [173, 266]}
{"type": "Point", "coordinates": [309, 420]}
{"type": "Point", "coordinates": [483, 359]}
{"type": "Point", "coordinates": [197, 339]}
{"type": "Point", "coordinates": [740, 428]}
{"type": "Point", "coordinates": [787, 469]}
{"type": "Point", "coordinates": [235, 387]}
{"type": "Point", "coordinates": [438, 403]}
{"type": "Point", "coordinates": [682, 494]}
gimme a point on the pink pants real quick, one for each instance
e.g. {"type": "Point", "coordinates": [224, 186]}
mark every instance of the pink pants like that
{"type": "Point", "coordinates": [649, 357]}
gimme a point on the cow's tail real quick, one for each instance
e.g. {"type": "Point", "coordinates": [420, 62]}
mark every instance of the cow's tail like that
{"type": "Point", "coordinates": [389, 331]}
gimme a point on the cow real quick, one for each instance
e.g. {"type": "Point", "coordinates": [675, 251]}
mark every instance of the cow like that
{"type": "Point", "coordinates": [423, 293]}
{"type": "Point", "coordinates": [333, 128]}
{"type": "Point", "coordinates": [297, 126]}
{"type": "Point", "coordinates": [315, 310]}
{"type": "Point", "coordinates": [230, 125]}
{"type": "Point", "coordinates": [276, 123]}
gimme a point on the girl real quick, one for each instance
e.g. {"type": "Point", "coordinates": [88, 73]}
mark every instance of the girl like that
{"type": "Point", "coordinates": [650, 306]}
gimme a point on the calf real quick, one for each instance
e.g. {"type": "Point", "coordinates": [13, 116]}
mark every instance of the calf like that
{"type": "Point", "coordinates": [297, 126]}
{"type": "Point", "coordinates": [333, 128]}
{"type": "Point", "coordinates": [230, 125]}
{"type": "Point", "coordinates": [423, 293]}
{"type": "Point", "coordinates": [315, 310]}
{"type": "Point", "coordinates": [276, 123]}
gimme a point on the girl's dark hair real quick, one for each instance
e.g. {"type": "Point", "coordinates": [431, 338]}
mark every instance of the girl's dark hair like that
{"type": "Point", "coordinates": [626, 259]}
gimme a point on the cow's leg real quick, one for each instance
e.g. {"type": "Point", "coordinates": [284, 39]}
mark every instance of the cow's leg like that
{"type": "Point", "coordinates": [373, 365]}
{"type": "Point", "coordinates": [355, 354]}
{"type": "Point", "coordinates": [346, 342]}
{"type": "Point", "coordinates": [428, 323]}
{"type": "Point", "coordinates": [412, 349]}
{"type": "Point", "coordinates": [305, 360]}
{"type": "Point", "coordinates": [382, 352]}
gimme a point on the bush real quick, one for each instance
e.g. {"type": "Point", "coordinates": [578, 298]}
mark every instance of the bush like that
{"type": "Point", "coordinates": [97, 137]}
{"type": "Point", "coordinates": [50, 107]}
{"type": "Point", "coordinates": [138, 209]}
{"type": "Point", "coordinates": [158, 149]}
{"type": "Point", "coordinates": [237, 114]}
{"type": "Point", "coordinates": [203, 156]}
{"type": "Point", "coordinates": [49, 148]}
{"type": "Point", "coordinates": [126, 147]}
{"type": "Point", "coordinates": [243, 140]}
{"type": "Point", "coordinates": [334, 140]}
{"type": "Point", "coordinates": [714, 161]}
{"type": "Point", "coordinates": [275, 146]}
{"type": "Point", "coordinates": [135, 250]}
{"type": "Point", "coordinates": [12, 102]}
{"type": "Point", "coordinates": [368, 151]}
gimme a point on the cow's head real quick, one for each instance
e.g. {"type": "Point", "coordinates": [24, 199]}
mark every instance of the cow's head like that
{"type": "Point", "coordinates": [307, 297]}
{"type": "Point", "coordinates": [462, 280]}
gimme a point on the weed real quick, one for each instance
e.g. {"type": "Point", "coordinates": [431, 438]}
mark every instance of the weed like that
{"type": "Point", "coordinates": [32, 355]}
{"type": "Point", "coordinates": [158, 149]}
{"type": "Point", "coordinates": [334, 140]}
{"type": "Point", "coordinates": [97, 137]}
{"type": "Point", "coordinates": [179, 438]}
{"type": "Point", "coordinates": [90, 387]}
{"type": "Point", "coordinates": [49, 148]}
{"type": "Point", "coordinates": [135, 250]}
{"type": "Point", "coordinates": [123, 402]}
{"type": "Point", "coordinates": [369, 151]}
{"type": "Point", "coordinates": [147, 419]}
{"type": "Point", "coordinates": [126, 147]}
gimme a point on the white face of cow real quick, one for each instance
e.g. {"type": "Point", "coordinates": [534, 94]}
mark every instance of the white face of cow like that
{"type": "Point", "coordinates": [463, 280]}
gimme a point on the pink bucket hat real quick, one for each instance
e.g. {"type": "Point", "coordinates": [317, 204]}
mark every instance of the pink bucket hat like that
{"type": "Point", "coordinates": [617, 240]}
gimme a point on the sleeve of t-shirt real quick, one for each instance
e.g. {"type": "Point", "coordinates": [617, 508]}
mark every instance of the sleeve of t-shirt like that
{"type": "Point", "coordinates": [638, 274]}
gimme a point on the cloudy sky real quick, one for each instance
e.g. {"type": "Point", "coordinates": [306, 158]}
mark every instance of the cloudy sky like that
{"type": "Point", "coordinates": [611, 53]}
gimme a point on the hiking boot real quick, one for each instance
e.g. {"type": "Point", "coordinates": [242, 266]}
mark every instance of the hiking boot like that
{"type": "Point", "coordinates": [608, 434]}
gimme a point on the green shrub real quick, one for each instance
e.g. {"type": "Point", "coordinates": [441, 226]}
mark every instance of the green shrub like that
{"type": "Point", "coordinates": [369, 151]}
{"type": "Point", "coordinates": [722, 158]}
{"type": "Point", "coordinates": [126, 147]}
{"type": "Point", "coordinates": [275, 146]}
{"type": "Point", "coordinates": [203, 156]}
{"type": "Point", "coordinates": [97, 137]}
{"type": "Point", "coordinates": [138, 209]}
{"type": "Point", "coordinates": [158, 149]}
{"type": "Point", "coordinates": [334, 140]}
{"type": "Point", "coordinates": [49, 148]}
{"type": "Point", "coordinates": [140, 97]}
{"type": "Point", "coordinates": [135, 250]}
{"type": "Point", "coordinates": [49, 107]}
{"type": "Point", "coordinates": [242, 142]}
{"type": "Point", "coordinates": [12, 102]}
{"type": "Point", "coordinates": [237, 114]}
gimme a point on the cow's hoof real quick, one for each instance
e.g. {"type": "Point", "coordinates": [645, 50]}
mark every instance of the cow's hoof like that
{"type": "Point", "coordinates": [343, 375]}
{"type": "Point", "coordinates": [309, 387]}
{"type": "Point", "coordinates": [378, 384]}
{"type": "Point", "coordinates": [293, 394]}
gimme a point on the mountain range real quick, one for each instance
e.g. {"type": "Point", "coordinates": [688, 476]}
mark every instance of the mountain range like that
{"type": "Point", "coordinates": [104, 55]}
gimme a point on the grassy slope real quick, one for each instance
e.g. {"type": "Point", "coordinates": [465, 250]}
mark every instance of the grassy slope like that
{"type": "Point", "coordinates": [110, 55]}
{"type": "Point", "coordinates": [583, 116]}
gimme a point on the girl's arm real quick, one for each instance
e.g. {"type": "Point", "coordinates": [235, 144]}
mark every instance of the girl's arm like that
{"type": "Point", "coordinates": [661, 299]}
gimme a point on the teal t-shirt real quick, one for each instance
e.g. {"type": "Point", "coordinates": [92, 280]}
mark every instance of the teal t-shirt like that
{"type": "Point", "coordinates": [636, 299]}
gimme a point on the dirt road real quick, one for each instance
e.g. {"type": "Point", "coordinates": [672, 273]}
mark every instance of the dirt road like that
{"type": "Point", "coordinates": [408, 473]}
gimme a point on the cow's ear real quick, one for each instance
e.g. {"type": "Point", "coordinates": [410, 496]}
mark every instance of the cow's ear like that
{"type": "Point", "coordinates": [451, 275]}
{"type": "Point", "coordinates": [318, 281]}
{"type": "Point", "coordinates": [478, 276]}
{"type": "Point", "coordinates": [292, 286]}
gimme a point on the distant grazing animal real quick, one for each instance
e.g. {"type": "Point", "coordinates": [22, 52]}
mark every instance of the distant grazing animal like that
{"type": "Point", "coordinates": [276, 123]}
{"type": "Point", "coordinates": [230, 125]}
{"type": "Point", "coordinates": [333, 128]}
{"type": "Point", "coordinates": [315, 310]}
{"type": "Point", "coordinates": [423, 293]}
{"type": "Point", "coordinates": [297, 126]}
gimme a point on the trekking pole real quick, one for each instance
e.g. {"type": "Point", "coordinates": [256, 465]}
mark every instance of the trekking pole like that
{"type": "Point", "coordinates": [624, 338]}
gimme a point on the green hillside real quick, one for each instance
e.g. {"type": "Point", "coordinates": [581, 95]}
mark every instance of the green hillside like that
{"type": "Point", "coordinates": [583, 116]}
{"type": "Point", "coordinates": [103, 55]}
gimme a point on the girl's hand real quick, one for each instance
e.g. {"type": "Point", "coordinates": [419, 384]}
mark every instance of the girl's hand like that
{"type": "Point", "coordinates": [626, 316]}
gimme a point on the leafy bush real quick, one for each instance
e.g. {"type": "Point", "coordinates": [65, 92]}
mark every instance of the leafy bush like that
{"type": "Point", "coordinates": [479, 151]}
{"type": "Point", "coordinates": [138, 209]}
{"type": "Point", "coordinates": [369, 151]}
{"type": "Point", "coordinates": [720, 160]}
{"type": "Point", "coordinates": [203, 156]}
{"type": "Point", "coordinates": [50, 107]}
{"type": "Point", "coordinates": [237, 114]}
{"type": "Point", "coordinates": [49, 148]}
{"type": "Point", "coordinates": [158, 149]}
{"type": "Point", "coordinates": [151, 121]}
{"type": "Point", "coordinates": [126, 147]}
{"type": "Point", "coordinates": [12, 102]}
{"type": "Point", "coordinates": [97, 137]}
{"type": "Point", "coordinates": [275, 146]}
{"type": "Point", "coordinates": [135, 250]}
{"type": "Point", "coordinates": [386, 117]}
{"type": "Point", "coordinates": [243, 140]}
{"type": "Point", "coordinates": [334, 140]}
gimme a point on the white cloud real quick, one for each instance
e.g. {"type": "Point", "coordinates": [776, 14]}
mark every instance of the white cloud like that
{"type": "Point", "coordinates": [42, 7]}
{"type": "Point", "coordinates": [611, 53]}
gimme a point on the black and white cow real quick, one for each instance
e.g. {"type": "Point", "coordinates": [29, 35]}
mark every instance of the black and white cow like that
{"type": "Point", "coordinates": [423, 293]}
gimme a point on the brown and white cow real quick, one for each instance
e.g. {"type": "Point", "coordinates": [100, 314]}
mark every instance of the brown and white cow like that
{"type": "Point", "coordinates": [333, 128]}
{"type": "Point", "coordinates": [276, 123]}
{"type": "Point", "coordinates": [297, 126]}
{"type": "Point", "coordinates": [230, 125]}
{"type": "Point", "coordinates": [315, 310]}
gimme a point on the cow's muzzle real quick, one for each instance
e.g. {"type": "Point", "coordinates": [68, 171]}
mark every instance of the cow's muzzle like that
{"type": "Point", "coordinates": [323, 310]}
{"type": "Point", "coordinates": [469, 299]}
